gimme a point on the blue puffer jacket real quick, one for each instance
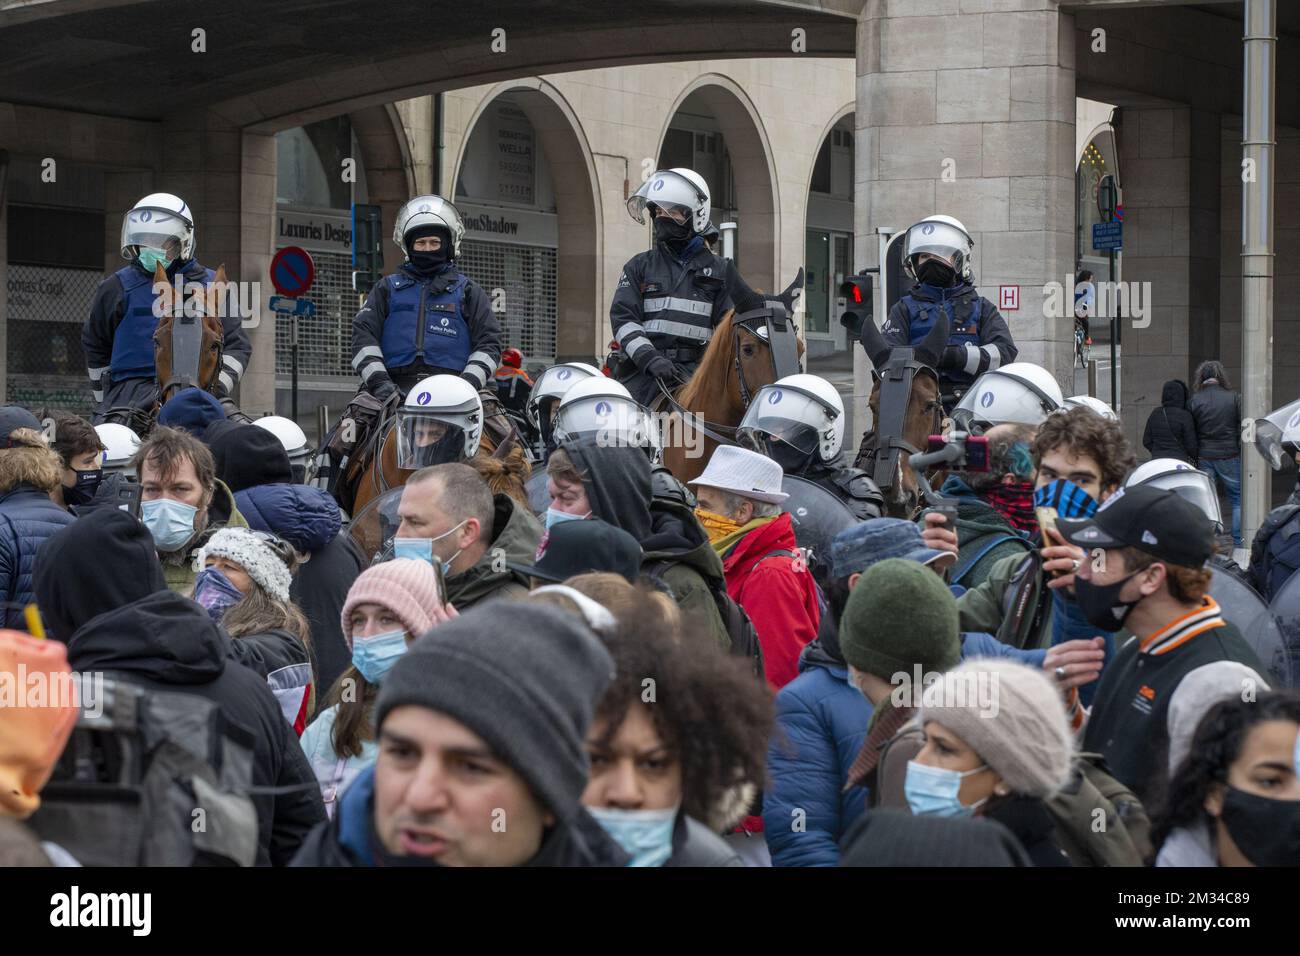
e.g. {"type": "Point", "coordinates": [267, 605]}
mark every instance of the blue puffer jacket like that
{"type": "Point", "coordinates": [27, 518]}
{"type": "Point", "coordinates": [306, 517]}
{"type": "Point", "coordinates": [821, 722]}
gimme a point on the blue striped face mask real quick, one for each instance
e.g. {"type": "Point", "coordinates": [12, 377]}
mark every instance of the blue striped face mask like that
{"type": "Point", "coordinates": [1066, 498]}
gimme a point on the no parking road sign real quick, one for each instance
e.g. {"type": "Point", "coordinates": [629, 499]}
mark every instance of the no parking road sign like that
{"type": "Point", "coordinates": [292, 271]}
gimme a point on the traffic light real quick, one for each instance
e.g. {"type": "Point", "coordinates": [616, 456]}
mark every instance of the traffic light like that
{"type": "Point", "coordinates": [858, 295]}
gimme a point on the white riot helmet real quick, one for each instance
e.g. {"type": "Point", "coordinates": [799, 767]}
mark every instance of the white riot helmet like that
{"type": "Point", "coordinates": [293, 438]}
{"type": "Point", "coordinates": [441, 421]}
{"type": "Point", "coordinates": [795, 421]}
{"type": "Point", "coordinates": [428, 211]}
{"type": "Point", "coordinates": [159, 220]}
{"type": "Point", "coordinates": [942, 236]}
{"type": "Point", "coordinates": [1020, 393]}
{"type": "Point", "coordinates": [603, 409]}
{"type": "Point", "coordinates": [120, 445]}
{"type": "Point", "coordinates": [1092, 404]}
{"type": "Point", "coordinates": [680, 189]}
{"type": "Point", "coordinates": [549, 388]}
{"type": "Point", "coordinates": [1170, 474]}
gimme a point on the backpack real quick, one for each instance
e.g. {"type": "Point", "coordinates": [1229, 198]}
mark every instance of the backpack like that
{"type": "Point", "coordinates": [137, 785]}
{"type": "Point", "coordinates": [970, 556]}
{"type": "Point", "coordinates": [1119, 836]}
{"type": "Point", "coordinates": [1275, 552]}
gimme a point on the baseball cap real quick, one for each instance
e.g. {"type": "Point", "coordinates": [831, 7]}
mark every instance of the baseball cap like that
{"type": "Point", "coordinates": [859, 546]}
{"type": "Point", "coordinates": [1156, 521]}
{"type": "Point", "coordinates": [12, 418]}
{"type": "Point", "coordinates": [579, 547]}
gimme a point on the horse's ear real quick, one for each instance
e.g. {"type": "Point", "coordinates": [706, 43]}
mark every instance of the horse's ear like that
{"type": "Point", "coordinates": [220, 275]}
{"type": "Point", "coordinates": [930, 351]}
{"type": "Point", "coordinates": [792, 292]}
{"type": "Point", "coordinates": [877, 348]}
{"type": "Point", "coordinates": [166, 293]}
{"type": "Point", "coordinates": [215, 292]}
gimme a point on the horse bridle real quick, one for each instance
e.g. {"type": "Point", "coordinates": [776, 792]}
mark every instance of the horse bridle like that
{"type": "Point", "coordinates": [896, 379]}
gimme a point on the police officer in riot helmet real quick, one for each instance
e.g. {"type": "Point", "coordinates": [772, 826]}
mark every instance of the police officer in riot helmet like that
{"type": "Point", "coordinates": [117, 337]}
{"type": "Point", "coordinates": [798, 422]}
{"type": "Point", "coordinates": [937, 254]}
{"type": "Point", "coordinates": [428, 318]}
{"type": "Point", "coordinates": [603, 410]}
{"type": "Point", "coordinates": [440, 422]}
{"type": "Point", "coordinates": [671, 297]}
{"type": "Point", "coordinates": [544, 399]}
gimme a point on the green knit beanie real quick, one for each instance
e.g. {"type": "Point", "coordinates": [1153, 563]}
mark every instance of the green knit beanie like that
{"type": "Point", "coordinates": [900, 614]}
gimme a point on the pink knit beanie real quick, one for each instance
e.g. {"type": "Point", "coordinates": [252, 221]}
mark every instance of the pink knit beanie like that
{"type": "Point", "coordinates": [406, 586]}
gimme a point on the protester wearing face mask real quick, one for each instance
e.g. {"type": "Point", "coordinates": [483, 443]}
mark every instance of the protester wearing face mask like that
{"type": "Point", "coordinates": [183, 502]}
{"type": "Point", "coordinates": [1026, 601]}
{"type": "Point", "coordinates": [391, 350]}
{"type": "Point", "coordinates": [669, 775]}
{"type": "Point", "coordinates": [448, 515]}
{"type": "Point", "coordinates": [997, 745]}
{"type": "Point", "coordinates": [1145, 573]}
{"type": "Point", "coordinates": [388, 607]}
{"type": "Point", "coordinates": [81, 452]}
{"type": "Point", "coordinates": [1235, 799]}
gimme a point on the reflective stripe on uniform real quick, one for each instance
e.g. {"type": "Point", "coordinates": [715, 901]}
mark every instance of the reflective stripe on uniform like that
{"type": "Point", "coordinates": [98, 393]}
{"type": "Point", "coordinates": [477, 374]}
{"type": "Point", "coordinates": [227, 381]}
{"type": "Point", "coordinates": [678, 330]}
{"type": "Point", "coordinates": [627, 331]}
{"type": "Point", "coordinates": [234, 365]}
{"type": "Point", "coordinates": [972, 359]}
{"type": "Point", "coordinates": [994, 354]}
{"type": "Point", "coordinates": [483, 359]}
{"type": "Point", "coordinates": [372, 368]}
{"type": "Point", "coordinates": [370, 351]}
{"type": "Point", "coordinates": [637, 346]}
{"type": "Point", "coordinates": [677, 305]}
{"type": "Point", "coordinates": [97, 373]}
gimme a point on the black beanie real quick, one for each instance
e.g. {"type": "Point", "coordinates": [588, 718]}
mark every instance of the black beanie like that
{"type": "Point", "coordinates": [247, 456]}
{"type": "Point", "coordinates": [529, 692]}
{"type": "Point", "coordinates": [100, 562]}
{"type": "Point", "coordinates": [893, 837]}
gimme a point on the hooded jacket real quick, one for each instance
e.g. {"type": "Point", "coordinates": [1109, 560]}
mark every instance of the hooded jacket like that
{"type": "Point", "coordinates": [676, 551]}
{"type": "Point", "coordinates": [1171, 430]}
{"type": "Point", "coordinates": [247, 456]}
{"type": "Point", "coordinates": [983, 535]}
{"type": "Point", "coordinates": [821, 723]}
{"type": "Point", "coordinates": [515, 532]}
{"type": "Point", "coordinates": [309, 519]}
{"type": "Point", "coordinates": [103, 593]}
{"type": "Point", "coordinates": [178, 566]}
{"type": "Point", "coordinates": [779, 595]}
{"type": "Point", "coordinates": [27, 518]}
{"type": "Point", "coordinates": [350, 838]}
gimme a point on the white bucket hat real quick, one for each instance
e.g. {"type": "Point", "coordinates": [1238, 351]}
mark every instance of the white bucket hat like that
{"type": "Point", "coordinates": [745, 473]}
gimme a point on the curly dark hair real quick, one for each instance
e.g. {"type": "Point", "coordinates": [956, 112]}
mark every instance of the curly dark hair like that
{"type": "Point", "coordinates": [708, 708]}
{"type": "Point", "coordinates": [1215, 747]}
{"type": "Point", "coordinates": [1084, 432]}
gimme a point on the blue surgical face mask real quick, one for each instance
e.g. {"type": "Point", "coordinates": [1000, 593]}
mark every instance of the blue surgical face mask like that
{"type": "Point", "coordinates": [374, 656]}
{"type": "Point", "coordinates": [647, 835]}
{"type": "Point", "coordinates": [554, 517]}
{"type": "Point", "coordinates": [933, 790]}
{"type": "Point", "coordinates": [216, 592]}
{"type": "Point", "coordinates": [171, 522]}
{"type": "Point", "coordinates": [151, 258]}
{"type": "Point", "coordinates": [422, 549]}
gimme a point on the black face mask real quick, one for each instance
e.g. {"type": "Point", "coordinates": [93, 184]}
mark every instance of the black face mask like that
{"type": "Point", "coordinates": [672, 232]}
{"type": "Point", "coordinates": [83, 491]}
{"type": "Point", "coordinates": [427, 264]}
{"type": "Point", "coordinates": [791, 459]}
{"type": "Point", "coordinates": [1101, 605]}
{"type": "Point", "coordinates": [1266, 831]}
{"type": "Point", "coordinates": [936, 272]}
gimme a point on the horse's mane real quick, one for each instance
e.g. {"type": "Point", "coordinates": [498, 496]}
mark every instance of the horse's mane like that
{"type": "Point", "coordinates": [714, 364]}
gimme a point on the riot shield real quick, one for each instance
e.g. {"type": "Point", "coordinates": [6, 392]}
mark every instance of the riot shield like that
{"type": "Point", "coordinates": [376, 524]}
{"type": "Point", "coordinates": [817, 515]}
{"type": "Point", "coordinates": [1269, 431]}
{"type": "Point", "coordinates": [538, 496]}
{"type": "Point", "coordinates": [1286, 614]}
{"type": "Point", "coordinates": [1246, 611]}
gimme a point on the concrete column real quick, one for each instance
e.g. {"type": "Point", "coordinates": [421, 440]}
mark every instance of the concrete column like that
{"type": "Point", "coordinates": [971, 113]}
{"type": "Point", "coordinates": [1169, 160]}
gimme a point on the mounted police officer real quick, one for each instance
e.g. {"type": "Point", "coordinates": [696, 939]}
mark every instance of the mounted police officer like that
{"type": "Point", "coordinates": [427, 318]}
{"type": "Point", "coordinates": [671, 297]}
{"type": "Point", "coordinates": [798, 422]}
{"type": "Point", "coordinates": [937, 253]}
{"type": "Point", "coordinates": [118, 335]}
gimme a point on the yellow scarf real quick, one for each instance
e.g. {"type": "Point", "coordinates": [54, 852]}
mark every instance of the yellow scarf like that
{"type": "Point", "coordinates": [724, 533]}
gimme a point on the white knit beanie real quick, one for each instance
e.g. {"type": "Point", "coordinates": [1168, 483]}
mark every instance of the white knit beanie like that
{"type": "Point", "coordinates": [1009, 714]}
{"type": "Point", "coordinates": [254, 555]}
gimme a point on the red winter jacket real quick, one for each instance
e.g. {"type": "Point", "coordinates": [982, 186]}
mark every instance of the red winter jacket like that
{"type": "Point", "coordinates": [779, 595]}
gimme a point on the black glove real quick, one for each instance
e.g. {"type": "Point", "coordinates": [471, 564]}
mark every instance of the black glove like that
{"type": "Point", "coordinates": [660, 367]}
{"type": "Point", "coordinates": [383, 389]}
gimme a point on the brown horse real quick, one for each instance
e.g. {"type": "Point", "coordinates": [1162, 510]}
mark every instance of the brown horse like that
{"type": "Point", "coordinates": [905, 410]}
{"type": "Point", "coordinates": [500, 460]}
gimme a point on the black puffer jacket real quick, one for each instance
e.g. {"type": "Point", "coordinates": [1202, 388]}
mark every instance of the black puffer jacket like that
{"type": "Point", "coordinates": [1217, 413]}
{"type": "Point", "coordinates": [1171, 430]}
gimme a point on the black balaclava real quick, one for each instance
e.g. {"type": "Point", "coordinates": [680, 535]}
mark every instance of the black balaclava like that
{"type": "Point", "coordinates": [936, 272]}
{"type": "Point", "coordinates": [428, 264]}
